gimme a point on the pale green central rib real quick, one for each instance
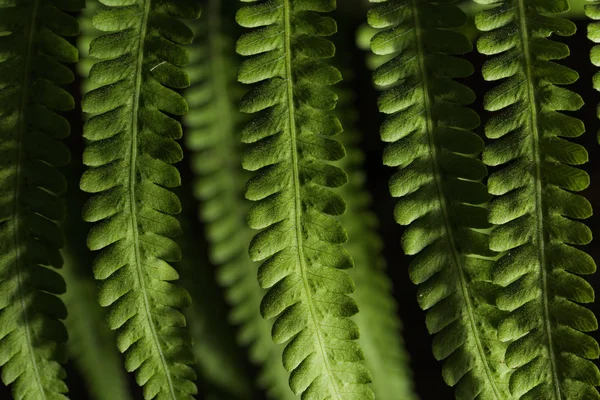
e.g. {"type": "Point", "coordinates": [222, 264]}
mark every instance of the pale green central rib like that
{"type": "Point", "coordinates": [132, 203]}
{"type": "Point", "coordinates": [540, 240]}
{"type": "Point", "coordinates": [472, 326]}
{"type": "Point", "coordinates": [297, 200]}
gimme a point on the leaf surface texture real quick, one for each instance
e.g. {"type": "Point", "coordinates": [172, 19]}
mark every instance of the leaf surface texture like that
{"type": "Point", "coordinates": [131, 145]}
{"type": "Point", "coordinates": [213, 138]}
{"type": "Point", "coordinates": [289, 145]}
{"type": "Point", "coordinates": [378, 322]}
{"type": "Point", "coordinates": [535, 209]}
{"type": "Point", "coordinates": [438, 184]}
{"type": "Point", "coordinates": [592, 11]}
{"type": "Point", "coordinates": [33, 54]}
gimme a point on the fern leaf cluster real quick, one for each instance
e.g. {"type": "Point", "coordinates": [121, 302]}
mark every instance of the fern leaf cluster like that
{"type": "Point", "coordinates": [209, 126]}
{"type": "Point", "coordinates": [380, 328]}
{"type": "Point", "coordinates": [592, 11]}
{"type": "Point", "coordinates": [131, 146]}
{"type": "Point", "coordinates": [91, 343]}
{"type": "Point", "coordinates": [535, 210]}
{"type": "Point", "coordinates": [286, 293]}
{"type": "Point", "coordinates": [288, 144]}
{"type": "Point", "coordinates": [219, 360]}
{"type": "Point", "coordinates": [439, 187]}
{"type": "Point", "coordinates": [33, 54]}
{"type": "Point", "coordinates": [213, 128]}
{"type": "Point", "coordinates": [87, 34]}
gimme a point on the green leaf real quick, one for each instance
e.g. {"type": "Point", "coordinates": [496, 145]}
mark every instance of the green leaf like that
{"type": "Point", "coordinates": [212, 136]}
{"type": "Point", "coordinates": [438, 184]}
{"type": "Point", "coordinates": [88, 33]}
{"type": "Point", "coordinates": [129, 152]}
{"type": "Point", "coordinates": [592, 10]}
{"type": "Point", "coordinates": [91, 342]}
{"type": "Point", "coordinates": [534, 209]}
{"type": "Point", "coordinates": [300, 242]}
{"type": "Point", "coordinates": [33, 50]}
{"type": "Point", "coordinates": [220, 361]}
{"type": "Point", "coordinates": [380, 328]}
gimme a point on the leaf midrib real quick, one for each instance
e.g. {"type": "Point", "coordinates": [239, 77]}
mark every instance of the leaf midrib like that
{"type": "Point", "coordinates": [297, 199]}
{"type": "Point", "coordinates": [442, 200]}
{"type": "Point", "coordinates": [132, 191]}
{"type": "Point", "coordinates": [539, 208]}
{"type": "Point", "coordinates": [17, 235]}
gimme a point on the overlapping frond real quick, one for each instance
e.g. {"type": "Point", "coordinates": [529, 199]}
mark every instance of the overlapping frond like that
{"type": "Point", "coordinates": [86, 35]}
{"type": "Point", "coordinates": [213, 137]}
{"type": "Point", "coordinates": [378, 322]}
{"type": "Point", "coordinates": [535, 210]}
{"type": "Point", "coordinates": [288, 144]}
{"type": "Point", "coordinates": [592, 11]}
{"type": "Point", "coordinates": [91, 343]}
{"type": "Point", "coordinates": [219, 359]}
{"type": "Point", "coordinates": [131, 146]}
{"type": "Point", "coordinates": [33, 54]}
{"type": "Point", "coordinates": [439, 187]}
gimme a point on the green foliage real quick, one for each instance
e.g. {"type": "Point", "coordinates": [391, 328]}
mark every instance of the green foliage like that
{"type": "Point", "coordinates": [439, 187]}
{"type": "Point", "coordinates": [33, 52]}
{"type": "Point", "coordinates": [300, 241]}
{"type": "Point", "coordinates": [219, 361]}
{"type": "Point", "coordinates": [91, 343]}
{"type": "Point", "coordinates": [534, 209]}
{"type": "Point", "coordinates": [131, 146]}
{"type": "Point", "coordinates": [593, 12]}
{"type": "Point", "coordinates": [498, 261]}
{"type": "Point", "coordinates": [87, 34]}
{"type": "Point", "coordinates": [377, 320]}
{"type": "Point", "coordinates": [213, 128]}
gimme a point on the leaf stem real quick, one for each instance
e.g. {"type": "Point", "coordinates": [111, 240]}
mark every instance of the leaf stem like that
{"type": "Point", "coordinates": [139, 265]}
{"type": "Point", "coordinates": [540, 239]}
{"type": "Point", "coordinates": [297, 198]}
{"type": "Point", "coordinates": [437, 171]}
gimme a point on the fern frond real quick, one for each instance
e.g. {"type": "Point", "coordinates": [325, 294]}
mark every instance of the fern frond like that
{"type": "Point", "coordinates": [364, 34]}
{"type": "Point", "coordinates": [288, 145]}
{"type": "Point", "coordinates": [592, 11]}
{"type": "Point", "coordinates": [87, 34]}
{"type": "Point", "coordinates": [534, 209]}
{"type": "Point", "coordinates": [219, 360]}
{"type": "Point", "coordinates": [378, 322]}
{"type": "Point", "coordinates": [33, 52]}
{"type": "Point", "coordinates": [380, 328]}
{"type": "Point", "coordinates": [91, 343]}
{"type": "Point", "coordinates": [439, 186]}
{"type": "Point", "coordinates": [213, 140]}
{"type": "Point", "coordinates": [131, 146]}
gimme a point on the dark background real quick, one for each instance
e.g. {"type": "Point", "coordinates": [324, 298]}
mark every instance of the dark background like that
{"type": "Point", "coordinates": [426, 370]}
